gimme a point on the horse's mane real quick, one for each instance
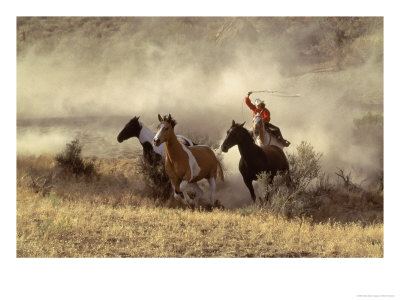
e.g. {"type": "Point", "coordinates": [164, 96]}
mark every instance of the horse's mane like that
{"type": "Point", "coordinates": [135, 119]}
{"type": "Point", "coordinates": [245, 132]}
{"type": "Point", "coordinates": [170, 120]}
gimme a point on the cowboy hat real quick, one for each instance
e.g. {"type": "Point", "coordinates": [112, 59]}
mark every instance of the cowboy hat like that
{"type": "Point", "coordinates": [259, 101]}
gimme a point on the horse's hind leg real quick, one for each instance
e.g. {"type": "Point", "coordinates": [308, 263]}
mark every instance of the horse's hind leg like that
{"type": "Point", "coordinates": [212, 184]}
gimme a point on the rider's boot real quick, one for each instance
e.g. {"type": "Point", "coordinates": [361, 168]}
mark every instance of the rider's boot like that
{"type": "Point", "coordinates": [283, 141]}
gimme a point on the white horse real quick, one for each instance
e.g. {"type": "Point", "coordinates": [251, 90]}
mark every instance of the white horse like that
{"type": "Point", "coordinates": [264, 137]}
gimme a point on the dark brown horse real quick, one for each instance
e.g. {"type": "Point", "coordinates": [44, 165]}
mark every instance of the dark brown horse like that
{"type": "Point", "coordinates": [254, 159]}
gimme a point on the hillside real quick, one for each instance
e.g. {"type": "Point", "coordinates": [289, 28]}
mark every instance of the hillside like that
{"type": "Point", "coordinates": [335, 42]}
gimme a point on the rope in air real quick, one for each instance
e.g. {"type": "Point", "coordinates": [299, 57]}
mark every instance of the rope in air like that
{"type": "Point", "coordinates": [273, 93]}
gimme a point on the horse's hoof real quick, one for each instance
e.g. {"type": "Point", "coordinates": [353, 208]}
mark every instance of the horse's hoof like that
{"type": "Point", "coordinates": [218, 205]}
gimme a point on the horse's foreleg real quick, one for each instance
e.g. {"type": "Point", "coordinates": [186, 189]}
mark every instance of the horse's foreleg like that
{"type": "Point", "coordinates": [211, 181]}
{"type": "Point", "coordinates": [184, 187]}
{"type": "Point", "coordinates": [249, 184]}
{"type": "Point", "coordinates": [175, 183]}
{"type": "Point", "coordinates": [177, 196]}
{"type": "Point", "coordinates": [180, 196]}
{"type": "Point", "coordinates": [198, 192]}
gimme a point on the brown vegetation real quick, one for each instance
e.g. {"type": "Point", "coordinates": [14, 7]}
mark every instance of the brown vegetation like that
{"type": "Point", "coordinates": [312, 194]}
{"type": "Point", "coordinates": [111, 216]}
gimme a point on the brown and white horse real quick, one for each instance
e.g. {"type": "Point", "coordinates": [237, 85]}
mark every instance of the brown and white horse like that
{"type": "Point", "coordinates": [262, 136]}
{"type": "Point", "coordinates": [186, 165]}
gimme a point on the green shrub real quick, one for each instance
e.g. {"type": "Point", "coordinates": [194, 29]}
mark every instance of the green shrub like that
{"type": "Point", "coordinates": [368, 131]}
{"type": "Point", "coordinates": [369, 120]}
{"type": "Point", "coordinates": [296, 199]}
{"type": "Point", "coordinates": [71, 162]}
{"type": "Point", "coordinates": [157, 183]}
{"type": "Point", "coordinates": [304, 166]}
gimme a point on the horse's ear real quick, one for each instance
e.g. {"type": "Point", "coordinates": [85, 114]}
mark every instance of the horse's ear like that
{"type": "Point", "coordinates": [233, 122]}
{"type": "Point", "coordinates": [159, 118]}
{"type": "Point", "coordinates": [241, 125]}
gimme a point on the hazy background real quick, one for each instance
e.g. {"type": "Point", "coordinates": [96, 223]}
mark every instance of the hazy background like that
{"type": "Point", "coordinates": [86, 77]}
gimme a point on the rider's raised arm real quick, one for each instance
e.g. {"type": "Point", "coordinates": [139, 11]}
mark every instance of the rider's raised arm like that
{"type": "Point", "coordinates": [249, 104]}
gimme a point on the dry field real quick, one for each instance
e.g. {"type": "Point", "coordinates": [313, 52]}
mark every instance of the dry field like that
{"type": "Point", "coordinates": [110, 216]}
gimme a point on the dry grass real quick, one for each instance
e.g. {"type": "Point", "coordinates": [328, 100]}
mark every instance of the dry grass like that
{"type": "Point", "coordinates": [111, 217]}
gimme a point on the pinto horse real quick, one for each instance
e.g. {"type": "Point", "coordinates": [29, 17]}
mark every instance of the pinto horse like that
{"type": "Point", "coordinates": [152, 154]}
{"type": "Point", "coordinates": [263, 136]}
{"type": "Point", "coordinates": [254, 159]}
{"type": "Point", "coordinates": [186, 165]}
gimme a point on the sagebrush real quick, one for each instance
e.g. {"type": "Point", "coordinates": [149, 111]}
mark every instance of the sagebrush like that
{"type": "Point", "coordinates": [311, 192]}
{"type": "Point", "coordinates": [156, 179]}
{"type": "Point", "coordinates": [295, 199]}
{"type": "Point", "coordinates": [71, 161]}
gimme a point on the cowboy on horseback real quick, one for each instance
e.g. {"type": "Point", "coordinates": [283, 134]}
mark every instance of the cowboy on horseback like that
{"type": "Point", "coordinates": [266, 116]}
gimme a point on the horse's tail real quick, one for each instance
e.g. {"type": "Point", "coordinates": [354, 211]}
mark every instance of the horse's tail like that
{"type": "Point", "coordinates": [220, 170]}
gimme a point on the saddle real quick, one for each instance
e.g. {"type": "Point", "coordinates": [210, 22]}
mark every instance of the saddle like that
{"type": "Point", "coordinates": [272, 129]}
{"type": "Point", "coordinates": [276, 132]}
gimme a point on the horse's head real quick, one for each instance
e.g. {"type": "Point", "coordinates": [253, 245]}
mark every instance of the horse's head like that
{"type": "Point", "coordinates": [131, 129]}
{"type": "Point", "coordinates": [233, 136]}
{"type": "Point", "coordinates": [258, 125]}
{"type": "Point", "coordinates": [164, 130]}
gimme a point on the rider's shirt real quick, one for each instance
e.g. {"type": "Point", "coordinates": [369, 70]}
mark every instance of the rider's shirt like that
{"type": "Point", "coordinates": [265, 114]}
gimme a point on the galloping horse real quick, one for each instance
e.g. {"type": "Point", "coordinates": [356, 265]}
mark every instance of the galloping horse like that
{"type": "Point", "coordinates": [151, 153]}
{"type": "Point", "coordinates": [185, 165]}
{"type": "Point", "coordinates": [254, 159]}
{"type": "Point", "coordinates": [264, 137]}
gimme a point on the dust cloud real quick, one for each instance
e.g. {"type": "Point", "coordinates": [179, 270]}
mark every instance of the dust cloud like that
{"type": "Point", "coordinates": [199, 70]}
